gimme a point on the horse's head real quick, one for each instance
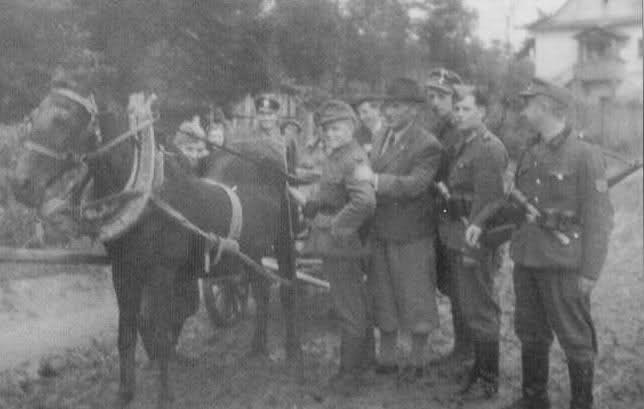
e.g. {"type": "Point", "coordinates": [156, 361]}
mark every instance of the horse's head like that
{"type": "Point", "coordinates": [52, 163]}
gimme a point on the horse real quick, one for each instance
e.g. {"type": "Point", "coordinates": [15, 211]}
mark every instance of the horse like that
{"type": "Point", "coordinates": [156, 261]}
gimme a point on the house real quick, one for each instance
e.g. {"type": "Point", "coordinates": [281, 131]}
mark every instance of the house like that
{"type": "Point", "coordinates": [592, 46]}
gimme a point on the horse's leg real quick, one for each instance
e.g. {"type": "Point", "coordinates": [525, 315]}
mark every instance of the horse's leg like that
{"type": "Point", "coordinates": [128, 287]}
{"type": "Point", "coordinates": [162, 309]}
{"type": "Point", "coordinates": [261, 293]}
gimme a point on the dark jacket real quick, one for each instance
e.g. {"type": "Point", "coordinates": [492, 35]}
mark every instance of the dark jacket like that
{"type": "Point", "coordinates": [404, 210]}
{"type": "Point", "coordinates": [475, 176]}
{"type": "Point", "coordinates": [565, 175]}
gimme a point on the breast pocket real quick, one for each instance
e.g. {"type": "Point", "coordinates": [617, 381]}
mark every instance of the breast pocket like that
{"type": "Point", "coordinates": [562, 183]}
{"type": "Point", "coordinates": [461, 173]}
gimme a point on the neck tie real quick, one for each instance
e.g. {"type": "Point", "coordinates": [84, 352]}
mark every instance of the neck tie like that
{"type": "Point", "coordinates": [389, 140]}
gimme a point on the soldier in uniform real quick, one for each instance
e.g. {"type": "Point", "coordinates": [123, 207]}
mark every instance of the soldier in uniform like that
{"type": "Point", "coordinates": [267, 115]}
{"type": "Point", "coordinates": [345, 199]}
{"type": "Point", "coordinates": [553, 278]}
{"type": "Point", "coordinates": [268, 126]}
{"type": "Point", "coordinates": [405, 159]}
{"type": "Point", "coordinates": [475, 181]}
{"type": "Point", "coordinates": [440, 90]}
{"type": "Point", "coordinates": [190, 139]}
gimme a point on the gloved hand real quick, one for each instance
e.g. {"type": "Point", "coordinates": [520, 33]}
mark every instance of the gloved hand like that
{"type": "Point", "coordinates": [310, 209]}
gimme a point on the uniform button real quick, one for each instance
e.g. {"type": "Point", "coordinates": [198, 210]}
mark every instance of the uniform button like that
{"type": "Point", "coordinates": [538, 181]}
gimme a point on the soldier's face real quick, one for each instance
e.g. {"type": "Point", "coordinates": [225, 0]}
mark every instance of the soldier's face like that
{"type": "Point", "coordinates": [369, 113]}
{"type": "Point", "coordinates": [194, 150]}
{"type": "Point", "coordinates": [267, 119]}
{"type": "Point", "coordinates": [439, 102]}
{"type": "Point", "coordinates": [468, 115]}
{"type": "Point", "coordinates": [337, 133]}
{"type": "Point", "coordinates": [398, 114]}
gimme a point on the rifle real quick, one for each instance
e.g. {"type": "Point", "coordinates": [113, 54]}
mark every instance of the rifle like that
{"type": "Point", "coordinates": [504, 226]}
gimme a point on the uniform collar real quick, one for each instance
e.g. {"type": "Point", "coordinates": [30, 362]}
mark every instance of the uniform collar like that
{"type": "Point", "coordinates": [559, 139]}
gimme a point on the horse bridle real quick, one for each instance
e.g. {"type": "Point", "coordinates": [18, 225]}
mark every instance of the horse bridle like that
{"type": "Point", "coordinates": [93, 128]}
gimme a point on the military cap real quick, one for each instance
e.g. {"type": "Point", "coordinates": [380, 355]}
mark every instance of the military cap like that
{"type": "Point", "coordinates": [267, 102]}
{"type": "Point", "coordinates": [334, 110]}
{"type": "Point", "coordinates": [193, 128]}
{"type": "Point", "coordinates": [443, 80]}
{"type": "Point", "coordinates": [291, 121]}
{"type": "Point", "coordinates": [405, 90]}
{"type": "Point", "coordinates": [538, 86]}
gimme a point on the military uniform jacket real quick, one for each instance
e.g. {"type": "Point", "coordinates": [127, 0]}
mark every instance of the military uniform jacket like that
{"type": "Point", "coordinates": [346, 197]}
{"type": "Point", "coordinates": [476, 174]}
{"type": "Point", "coordinates": [404, 210]}
{"type": "Point", "coordinates": [567, 175]}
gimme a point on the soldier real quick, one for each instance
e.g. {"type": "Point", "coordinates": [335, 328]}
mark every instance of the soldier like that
{"type": "Point", "coordinates": [266, 110]}
{"type": "Point", "coordinates": [268, 126]}
{"type": "Point", "coordinates": [344, 201]}
{"type": "Point", "coordinates": [405, 159]}
{"type": "Point", "coordinates": [566, 178]}
{"type": "Point", "coordinates": [475, 181]}
{"type": "Point", "coordinates": [440, 90]}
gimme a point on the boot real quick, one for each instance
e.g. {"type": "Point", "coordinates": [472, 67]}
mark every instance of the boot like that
{"type": "Point", "coordinates": [483, 381]}
{"type": "Point", "coordinates": [369, 350]}
{"type": "Point", "coordinates": [581, 384]}
{"type": "Point", "coordinates": [348, 380]}
{"type": "Point", "coordinates": [535, 366]}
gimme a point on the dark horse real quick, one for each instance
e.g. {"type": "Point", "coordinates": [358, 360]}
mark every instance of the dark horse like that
{"type": "Point", "coordinates": [156, 261]}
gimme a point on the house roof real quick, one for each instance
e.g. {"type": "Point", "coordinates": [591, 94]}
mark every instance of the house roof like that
{"type": "Point", "coordinates": [580, 14]}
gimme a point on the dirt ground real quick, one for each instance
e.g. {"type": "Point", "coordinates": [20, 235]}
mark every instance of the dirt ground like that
{"type": "Point", "coordinates": [74, 368]}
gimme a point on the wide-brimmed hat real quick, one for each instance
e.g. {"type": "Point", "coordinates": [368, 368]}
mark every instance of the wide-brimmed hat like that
{"type": "Point", "coordinates": [334, 110]}
{"type": "Point", "coordinates": [538, 86]}
{"type": "Point", "coordinates": [443, 80]}
{"type": "Point", "coordinates": [404, 90]}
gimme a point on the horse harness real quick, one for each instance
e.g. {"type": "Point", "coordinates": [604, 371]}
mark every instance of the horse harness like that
{"type": "Point", "coordinates": [222, 244]}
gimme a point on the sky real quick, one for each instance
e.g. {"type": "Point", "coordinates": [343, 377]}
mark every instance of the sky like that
{"type": "Point", "coordinates": [493, 13]}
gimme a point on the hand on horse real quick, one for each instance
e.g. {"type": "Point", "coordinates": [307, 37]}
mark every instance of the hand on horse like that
{"type": "Point", "coordinates": [310, 209]}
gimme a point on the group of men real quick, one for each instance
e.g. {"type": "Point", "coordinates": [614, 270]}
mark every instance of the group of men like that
{"type": "Point", "coordinates": [402, 210]}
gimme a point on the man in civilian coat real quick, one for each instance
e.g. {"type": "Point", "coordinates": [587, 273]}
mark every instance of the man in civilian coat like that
{"type": "Point", "coordinates": [404, 159]}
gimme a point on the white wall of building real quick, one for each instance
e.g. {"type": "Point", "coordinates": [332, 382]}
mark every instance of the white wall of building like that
{"type": "Point", "coordinates": [555, 53]}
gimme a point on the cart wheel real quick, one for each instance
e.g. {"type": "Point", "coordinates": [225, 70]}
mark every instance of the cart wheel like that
{"type": "Point", "coordinates": [226, 300]}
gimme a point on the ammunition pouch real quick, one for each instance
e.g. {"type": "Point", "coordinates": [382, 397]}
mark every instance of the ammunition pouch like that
{"type": "Point", "coordinates": [559, 220]}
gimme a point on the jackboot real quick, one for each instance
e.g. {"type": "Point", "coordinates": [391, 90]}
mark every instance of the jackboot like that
{"type": "Point", "coordinates": [483, 380]}
{"type": "Point", "coordinates": [581, 384]}
{"type": "Point", "coordinates": [349, 378]}
{"type": "Point", "coordinates": [535, 364]}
